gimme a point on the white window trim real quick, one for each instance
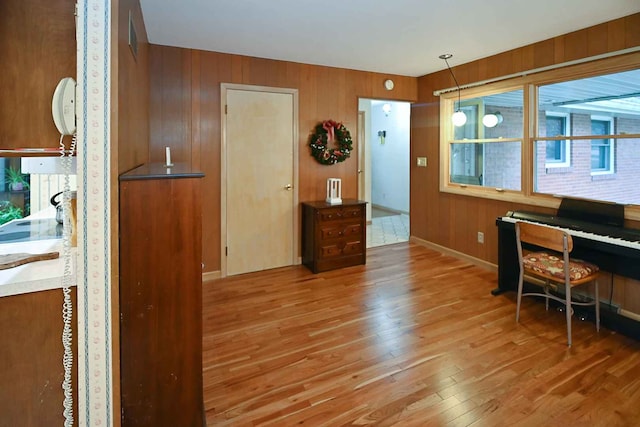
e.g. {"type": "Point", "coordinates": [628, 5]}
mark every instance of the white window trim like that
{"type": "Point", "coordinates": [567, 143]}
{"type": "Point", "coordinates": [610, 170]}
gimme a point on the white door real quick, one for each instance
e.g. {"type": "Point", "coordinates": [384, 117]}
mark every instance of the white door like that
{"type": "Point", "coordinates": [260, 156]}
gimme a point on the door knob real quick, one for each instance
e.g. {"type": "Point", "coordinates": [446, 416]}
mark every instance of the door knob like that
{"type": "Point", "coordinates": [288, 187]}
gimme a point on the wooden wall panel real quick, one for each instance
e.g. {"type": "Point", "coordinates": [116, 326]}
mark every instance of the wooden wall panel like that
{"type": "Point", "coordinates": [31, 371]}
{"type": "Point", "coordinates": [170, 104]}
{"type": "Point", "coordinates": [131, 86]}
{"type": "Point", "coordinates": [185, 115]}
{"type": "Point", "coordinates": [38, 48]}
{"type": "Point", "coordinates": [451, 220]}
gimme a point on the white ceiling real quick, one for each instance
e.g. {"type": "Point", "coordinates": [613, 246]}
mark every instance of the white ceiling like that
{"type": "Point", "coordinates": [402, 37]}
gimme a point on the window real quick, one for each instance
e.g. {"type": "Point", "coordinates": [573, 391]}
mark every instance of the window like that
{"type": "Point", "coordinates": [558, 153]}
{"type": "Point", "coordinates": [26, 189]}
{"type": "Point", "coordinates": [601, 149]}
{"type": "Point", "coordinates": [488, 157]}
{"type": "Point", "coordinates": [558, 135]}
{"type": "Point", "coordinates": [592, 104]}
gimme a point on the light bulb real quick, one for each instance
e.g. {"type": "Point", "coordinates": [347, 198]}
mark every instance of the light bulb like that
{"type": "Point", "coordinates": [459, 118]}
{"type": "Point", "coordinates": [492, 120]}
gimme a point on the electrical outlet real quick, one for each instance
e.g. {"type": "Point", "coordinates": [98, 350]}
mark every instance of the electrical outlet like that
{"type": "Point", "coordinates": [480, 237]}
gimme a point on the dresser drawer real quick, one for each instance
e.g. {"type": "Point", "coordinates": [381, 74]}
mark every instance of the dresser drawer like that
{"type": "Point", "coordinates": [340, 213]}
{"type": "Point", "coordinates": [339, 249]}
{"type": "Point", "coordinates": [340, 230]}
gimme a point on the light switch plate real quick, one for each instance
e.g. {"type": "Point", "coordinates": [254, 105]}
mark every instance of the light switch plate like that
{"type": "Point", "coordinates": [422, 162]}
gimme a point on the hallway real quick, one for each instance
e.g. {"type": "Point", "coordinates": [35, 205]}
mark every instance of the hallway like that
{"type": "Point", "coordinates": [387, 228]}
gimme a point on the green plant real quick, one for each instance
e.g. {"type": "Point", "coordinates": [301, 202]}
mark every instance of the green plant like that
{"type": "Point", "coordinates": [9, 211]}
{"type": "Point", "coordinates": [15, 179]}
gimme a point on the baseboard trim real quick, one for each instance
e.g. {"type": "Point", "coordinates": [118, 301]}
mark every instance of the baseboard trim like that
{"type": "Point", "coordinates": [390, 210]}
{"type": "Point", "coordinates": [215, 275]}
{"type": "Point", "coordinates": [460, 255]}
{"type": "Point", "coordinates": [211, 275]}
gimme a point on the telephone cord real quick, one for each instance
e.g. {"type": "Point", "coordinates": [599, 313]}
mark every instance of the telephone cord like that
{"type": "Point", "coordinates": [67, 277]}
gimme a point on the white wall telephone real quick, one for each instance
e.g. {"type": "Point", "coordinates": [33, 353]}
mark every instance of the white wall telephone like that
{"type": "Point", "coordinates": [63, 110]}
{"type": "Point", "coordinates": [63, 106]}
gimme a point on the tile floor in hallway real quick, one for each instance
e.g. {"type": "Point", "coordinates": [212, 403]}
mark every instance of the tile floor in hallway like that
{"type": "Point", "coordinates": [386, 230]}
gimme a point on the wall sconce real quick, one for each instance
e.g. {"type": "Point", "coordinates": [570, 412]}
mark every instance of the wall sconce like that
{"type": "Point", "coordinates": [382, 134]}
{"type": "Point", "coordinates": [459, 118]}
{"type": "Point", "coordinates": [386, 107]}
{"type": "Point", "coordinates": [492, 120]}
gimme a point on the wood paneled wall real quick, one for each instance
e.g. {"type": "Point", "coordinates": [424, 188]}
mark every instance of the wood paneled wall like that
{"type": "Point", "coordinates": [185, 115]}
{"type": "Point", "coordinates": [31, 371]}
{"type": "Point", "coordinates": [37, 49]}
{"type": "Point", "coordinates": [130, 141]}
{"type": "Point", "coordinates": [131, 90]}
{"type": "Point", "coordinates": [451, 220]}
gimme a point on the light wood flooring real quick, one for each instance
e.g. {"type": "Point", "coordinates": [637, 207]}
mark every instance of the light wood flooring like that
{"type": "Point", "coordinates": [414, 338]}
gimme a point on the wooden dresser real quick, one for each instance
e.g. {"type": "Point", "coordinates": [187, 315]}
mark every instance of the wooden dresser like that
{"type": "Point", "coordinates": [161, 297]}
{"type": "Point", "coordinates": [334, 236]}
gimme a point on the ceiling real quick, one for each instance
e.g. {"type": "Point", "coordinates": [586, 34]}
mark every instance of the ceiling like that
{"type": "Point", "coordinates": [403, 37]}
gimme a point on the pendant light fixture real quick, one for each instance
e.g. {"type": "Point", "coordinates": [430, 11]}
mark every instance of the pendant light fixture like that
{"type": "Point", "coordinates": [459, 118]}
{"type": "Point", "coordinates": [492, 120]}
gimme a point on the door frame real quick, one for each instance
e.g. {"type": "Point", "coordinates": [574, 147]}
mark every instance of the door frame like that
{"type": "Point", "coordinates": [224, 87]}
{"type": "Point", "coordinates": [364, 191]}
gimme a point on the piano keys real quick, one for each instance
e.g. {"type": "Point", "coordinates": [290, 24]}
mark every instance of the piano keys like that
{"type": "Point", "coordinates": [598, 236]}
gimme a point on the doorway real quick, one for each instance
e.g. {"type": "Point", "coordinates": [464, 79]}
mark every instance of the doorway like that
{"type": "Point", "coordinates": [383, 168]}
{"type": "Point", "coordinates": [259, 161]}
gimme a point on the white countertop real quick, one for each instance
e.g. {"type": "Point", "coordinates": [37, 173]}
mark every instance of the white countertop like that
{"type": "Point", "coordinates": [38, 275]}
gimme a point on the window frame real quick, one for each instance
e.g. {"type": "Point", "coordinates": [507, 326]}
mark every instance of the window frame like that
{"type": "Point", "coordinates": [447, 129]}
{"type": "Point", "coordinates": [566, 144]}
{"type": "Point", "coordinates": [529, 83]}
{"type": "Point", "coordinates": [610, 169]}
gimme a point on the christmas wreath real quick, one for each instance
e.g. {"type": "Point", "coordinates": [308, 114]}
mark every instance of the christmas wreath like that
{"type": "Point", "coordinates": [330, 142]}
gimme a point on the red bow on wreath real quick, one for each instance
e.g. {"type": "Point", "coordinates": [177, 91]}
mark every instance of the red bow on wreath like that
{"type": "Point", "coordinates": [330, 132]}
{"type": "Point", "coordinates": [329, 126]}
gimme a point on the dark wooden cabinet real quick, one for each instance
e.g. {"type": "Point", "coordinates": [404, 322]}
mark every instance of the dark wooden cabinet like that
{"type": "Point", "coordinates": [161, 297]}
{"type": "Point", "coordinates": [333, 236]}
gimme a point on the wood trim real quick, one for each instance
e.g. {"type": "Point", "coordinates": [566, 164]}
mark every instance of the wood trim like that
{"type": "Point", "coordinates": [223, 180]}
{"type": "Point", "coordinates": [211, 275]}
{"type": "Point", "coordinates": [460, 255]}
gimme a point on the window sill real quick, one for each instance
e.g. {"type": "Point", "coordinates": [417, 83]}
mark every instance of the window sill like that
{"type": "Point", "coordinates": [556, 170]}
{"type": "Point", "coordinates": [604, 176]}
{"type": "Point", "coordinates": [631, 212]}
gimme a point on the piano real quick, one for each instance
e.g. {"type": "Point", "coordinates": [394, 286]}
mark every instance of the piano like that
{"type": "Point", "coordinates": [598, 235]}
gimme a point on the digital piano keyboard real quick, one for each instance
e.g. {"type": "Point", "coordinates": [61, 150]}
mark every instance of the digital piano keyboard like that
{"type": "Point", "coordinates": [626, 237]}
{"type": "Point", "coordinates": [598, 234]}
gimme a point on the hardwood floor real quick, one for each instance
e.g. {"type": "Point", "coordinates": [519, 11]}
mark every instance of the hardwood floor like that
{"type": "Point", "coordinates": [413, 338]}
